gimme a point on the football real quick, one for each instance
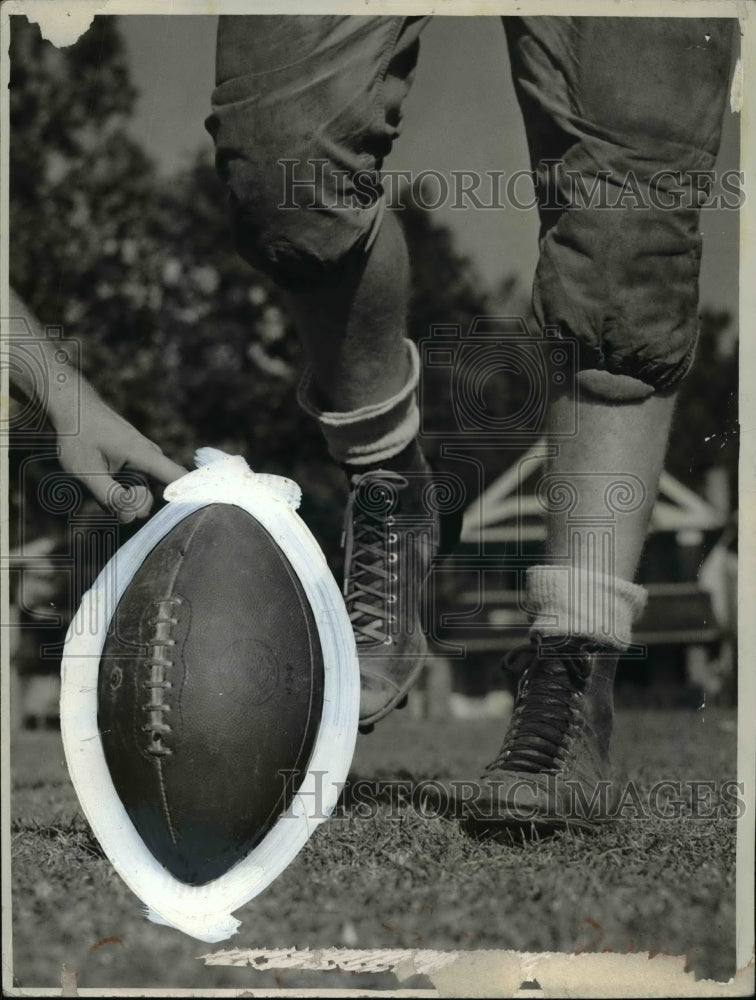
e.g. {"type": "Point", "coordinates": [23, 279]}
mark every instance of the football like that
{"type": "Point", "coordinates": [210, 691]}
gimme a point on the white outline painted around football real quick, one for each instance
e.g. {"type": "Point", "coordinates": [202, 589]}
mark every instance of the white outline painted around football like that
{"type": "Point", "coordinates": [205, 912]}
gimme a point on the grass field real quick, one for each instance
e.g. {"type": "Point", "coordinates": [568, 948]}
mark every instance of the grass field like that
{"type": "Point", "coordinates": [653, 885]}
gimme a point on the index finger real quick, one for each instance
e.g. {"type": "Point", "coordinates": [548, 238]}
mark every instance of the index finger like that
{"type": "Point", "coordinates": [155, 463]}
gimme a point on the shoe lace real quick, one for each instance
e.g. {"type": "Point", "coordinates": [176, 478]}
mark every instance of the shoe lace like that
{"type": "Point", "coordinates": [370, 555]}
{"type": "Point", "coordinates": [546, 708]}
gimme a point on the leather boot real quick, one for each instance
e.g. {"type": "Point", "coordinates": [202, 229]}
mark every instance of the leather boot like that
{"type": "Point", "coordinates": [392, 532]}
{"type": "Point", "coordinates": [553, 769]}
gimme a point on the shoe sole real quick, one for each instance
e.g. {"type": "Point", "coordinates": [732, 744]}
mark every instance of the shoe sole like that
{"type": "Point", "coordinates": [399, 701]}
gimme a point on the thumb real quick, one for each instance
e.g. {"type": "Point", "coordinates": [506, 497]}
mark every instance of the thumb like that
{"type": "Point", "coordinates": [127, 502]}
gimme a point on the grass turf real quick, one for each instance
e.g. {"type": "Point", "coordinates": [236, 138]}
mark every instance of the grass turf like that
{"type": "Point", "coordinates": [398, 880]}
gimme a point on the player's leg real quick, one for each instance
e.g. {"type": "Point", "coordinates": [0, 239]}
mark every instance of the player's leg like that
{"type": "Point", "coordinates": [353, 327]}
{"type": "Point", "coordinates": [305, 110]}
{"type": "Point", "coordinates": [619, 449]}
{"type": "Point", "coordinates": [361, 387]}
{"type": "Point", "coordinates": [609, 99]}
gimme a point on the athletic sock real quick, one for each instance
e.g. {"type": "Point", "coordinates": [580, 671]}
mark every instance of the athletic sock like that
{"type": "Point", "coordinates": [569, 601]}
{"type": "Point", "coordinates": [371, 435]}
{"type": "Point", "coordinates": [409, 459]}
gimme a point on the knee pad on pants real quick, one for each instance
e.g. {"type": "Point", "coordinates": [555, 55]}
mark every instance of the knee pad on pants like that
{"type": "Point", "coordinates": [624, 284]}
{"type": "Point", "coordinates": [291, 228]}
{"type": "Point", "coordinates": [623, 124]}
{"type": "Point", "coordinates": [304, 112]}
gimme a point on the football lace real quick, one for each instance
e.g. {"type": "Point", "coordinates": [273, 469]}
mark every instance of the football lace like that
{"type": "Point", "coordinates": [159, 683]}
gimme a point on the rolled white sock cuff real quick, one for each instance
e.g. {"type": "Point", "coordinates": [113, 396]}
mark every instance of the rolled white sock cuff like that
{"type": "Point", "coordinates": [566, 601]}
{"type": "Point", "coordinates": [372, 433]}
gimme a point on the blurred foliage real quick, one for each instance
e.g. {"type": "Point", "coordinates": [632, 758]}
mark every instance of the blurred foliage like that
{"type": "Point", "coordinates": [182, 337]}
{"type": "Point", "coordinates": [176, 331]}
{"type": "Point", "coordinates": [706, 433]}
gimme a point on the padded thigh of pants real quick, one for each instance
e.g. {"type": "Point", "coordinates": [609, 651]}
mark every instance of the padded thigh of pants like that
{"type": "Point", "coordinates": [622, 107]}
{"type": "Point", "coordinates": [304, 111]}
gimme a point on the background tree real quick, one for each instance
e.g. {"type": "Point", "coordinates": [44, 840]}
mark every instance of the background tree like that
{"type": "Point", "coordinates": [176, 331]}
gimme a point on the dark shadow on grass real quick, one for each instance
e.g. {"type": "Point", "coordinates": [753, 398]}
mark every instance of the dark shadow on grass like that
{"type": "Point", "coordinates": [438, 800]}
{"type": "Point", "coordinates": [75, 835]}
